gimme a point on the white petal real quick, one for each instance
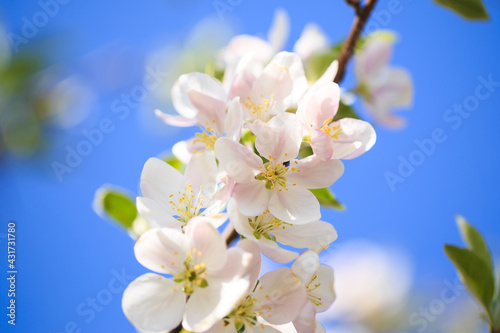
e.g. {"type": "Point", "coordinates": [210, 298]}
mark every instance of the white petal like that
{"type": "Point", "coordinates": [294, 64]}
{"type": "Point", "coordinates": [174, 120]}
{"type": "Point", "coordinates": [373, 57]}
{"type": "Point", "coordinates": [354, 130]}
{"type": "Point", "coordinates": [162, 250]}
{"type": "Point", "coordinates": [234, 120]}
{"type": "Point", "coordinates": [280, 30]}
{"type": "Point", "coordinates": [315, 173]}
{"type": "Point", "coordinates": [252, 197]}
{"type": "Point", "coordinates": [316, 236]}
{"type": "Point", "coordinates": [325, 290]}
{"type": "Point", "coordinates": [297, 205]}
{"type": "Point", "coordinates": [201, 173]}
{"type": "Point", "coordinates": [330, 73]}
{"type": "Point", "coordinates": [156, 215]}
{"type": "Point", "coordinates": [275, 80]}
{"type": "Point", "coordinates": [206, 244]}
{"type": "Point", "coordinates": [159, 180]}
{"type": "Point", "coordinates": [279, 140]}
{"type": "Point", "coordinates": [199, 315]}
{"type": "Point", "coordinates": [153, 303]}
{"type": "Point", "coordinates": [212, 112]}
{"type": "Point", "coordinates": [239, 221]}
{"type": "Point", "coordinates": [306, 321]}
{"type": "Point", "coordinates": [253, 269]}
{"type": "Point", "coordinates": [312, 41]}
{"type": "Point", "coordinates": [306, 266]}
{"type": "Point", "coordinates": [242, 45]}
{"type": "Point", "coordinates": [272, 250]}
{"type": "Point", "coordinates": [280, 295]}
{"type": "Point", "coordinates": [240, 163]}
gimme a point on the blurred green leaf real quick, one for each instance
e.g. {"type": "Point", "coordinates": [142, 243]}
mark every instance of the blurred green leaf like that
{"type": "Point", "coordinates": [327, 199]}
{"type": "Point", "coordinates": [474, 240]}
{"type": "Point", "coordinates": [175, 162]}
{"type": "Point", "coordinates": [476, 274]}
{"type": "Point", "coordinates": [469, 9]}
{"type": "Point", "coordinates": [319, 63]}
{"type": "Point", "coordinates": [305, 150]}
{"type": "Point", "coordinates": [345, 111]}
{"type": "Point", "coordinates": [120, 207]}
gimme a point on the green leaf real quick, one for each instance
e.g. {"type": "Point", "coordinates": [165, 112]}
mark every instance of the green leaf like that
{"type": "Point", "coordinates": [327, 199]}
{"type": "Point", "coordinates": [475, 272]}
{"type": "Point", "coordinates": [119, 206]}
{"type": "Point", "coordinates": [175, 162]}
{"type": "Point", "coordinates": [474, 240]}
{"type": "Point", "coordinates": [345, 111]}
{"type": "Point", "coordinates": [469, 9]}
{"type": "Point", "coordinates": [319, 63]}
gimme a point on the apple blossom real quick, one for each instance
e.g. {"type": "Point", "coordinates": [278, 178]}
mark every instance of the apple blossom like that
{"type": "Point", "coordinates": [171, 199]}
{"type": "Point", "coordinates": [346, 138]}
{"type": "Point", "coordinates": [312, 41]}
{"type": "Point", "coordinates": [382, 87]}
{"type": "Point", "coordinates": [214, 278]}
{"type": "Point", "coordinates": [281, 183]}
{"type": "Point", "coordinates": [267, 231]}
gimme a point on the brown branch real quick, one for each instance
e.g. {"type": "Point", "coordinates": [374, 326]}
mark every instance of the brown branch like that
{"type": "Point", "coordinates": [229, 234]}
{"type": "Point", "coordinates": [362, 15]}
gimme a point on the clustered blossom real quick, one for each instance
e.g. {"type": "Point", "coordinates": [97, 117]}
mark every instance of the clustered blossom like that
{"type": "Point", "coordinates": [267, 137]}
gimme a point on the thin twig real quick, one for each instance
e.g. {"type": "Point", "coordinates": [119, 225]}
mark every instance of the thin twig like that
{"type": "Point", "coordinates": [362, 15]}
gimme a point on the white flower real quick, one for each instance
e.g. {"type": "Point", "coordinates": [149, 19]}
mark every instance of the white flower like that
{"type": "Point", "coordinates": [268, 230]}
{"type": "Point", "coordinates": [171, 199]}
{"type": "Point", "coordinates": [381, 86]}
{"type": "Point", "coordinates": [214, 278]}
{"type": "Point", "coordinates": [318, 282]}
{"type": "Point", "coordinates": [312, 41]}
{"type": "Point", "coordinates": [281, 184]}
{"type": "Point", "coordinates": [346, 138]}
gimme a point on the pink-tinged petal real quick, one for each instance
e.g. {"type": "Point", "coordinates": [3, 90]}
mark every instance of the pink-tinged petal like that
{"type": "Point", "coordinates": [325, 290]}
{"type": "Point", "coordinates": [315, 173]}
{"type": "Point", "coordinates": [316, 236]}
{"type": "Point", "coordinates": [297, 205]}
{"type": "Point", "coordinates": [159, 180]}
{"type": "Point", "coordinates": [319, 104]}
{"type": "Point", "coordinates": [153, 303]}
{"type": "Point", "coordinates": [239, 221]}
{"type": "Point", "coordinates": [278, 254]}
{"type": "Point", "coordinates": [252, 197]}
{"type": "Point", "coordinates": [194, 88]}
{"type": "Point", "coordinates": [306, 266]}
{"type": "Point", "coordinates": [253, 269]}
{"type": "Point", "coordinates": [201, 174]}
{"type": "Point", "coordinates": [373, 57]}
{"type": "Point", "coordinates": [239, 77]}
{"type": "Point", "coordinates": [392, 121]}
{"type": "Point", "coordinates": [222, 196]}
{"type": "Point", "coordinates": [274, 80]}
{"type": "Point", "coordinates": [319, 328]}
{"type": "Point", "coordinates": [280, 295]}
{"type": "Point", "coordinates": [279, 140]}
{"type": "Point", "coordinates": [279, 31]}
{"type": "Point", "coordinates": [212, 112]}
{"type": "Point", "coordinates": [354, 130]}
{"type": "Point", "coordinates": [393, 87]}
{"type": "Point", "coordinates": [221, 327]}
{"type": "Point", "coordinates": [174, 120]}
{"type": "Point", "coordinates": [312, 41]}
{"type": "Point", "coordinates": [200, 306]}
{"type": "Point", "coordinates": [306, 321]}
{"type": "Point", "coordinates": [240, 163]}
{"type": "Point", "coordinates": [238, 265]}
{"type": "Point", "coordinates": [156, 215]}
{"type": "Point", "coordinates": [207, 245]}
{"type": "Point", "coordinates": [321, 144]}
{"type": "Point", "coordinates": [234, 120]}
{"type": "Point", "coordinates": [296, 69]}
{"type": "Point", "coordinates": [162, 250]}
{"type": "Point", "coordinates": [261, 328]}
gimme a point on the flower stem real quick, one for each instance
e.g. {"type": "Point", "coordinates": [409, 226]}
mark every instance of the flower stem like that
{"type": "Point", "coordinates": [362, 15]}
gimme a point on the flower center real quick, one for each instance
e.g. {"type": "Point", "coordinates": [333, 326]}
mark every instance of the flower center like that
{"type": "Point", "coordinates": [263, 225]}
{"type": "Point", "coordinates": [206, 137]}
{"type": "Point", "coordinates": [260, 110]}
{"type": "Point", "coordinates": [275, 174]}
{"type": "Point", "coordinates": [334, 131]}
{"type": "Point", "coordinates": [193, 275]}
{"type": "Point", "coordinates": [311, 286]}
{"type": "Point", "coordinates": [186, 204]}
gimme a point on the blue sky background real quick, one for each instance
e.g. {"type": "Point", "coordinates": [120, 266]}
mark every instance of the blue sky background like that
{"type": "Point", "coordinates": [66, 253]}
